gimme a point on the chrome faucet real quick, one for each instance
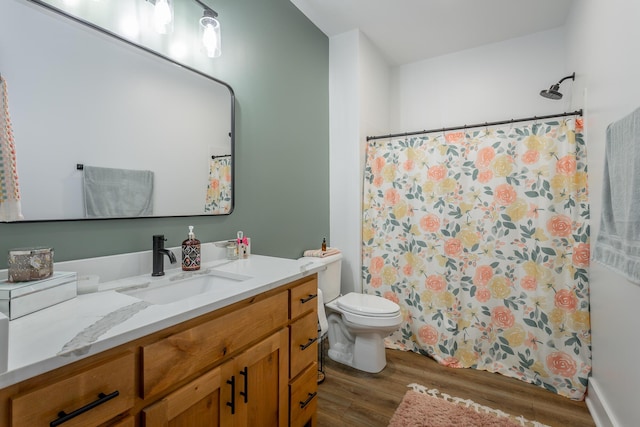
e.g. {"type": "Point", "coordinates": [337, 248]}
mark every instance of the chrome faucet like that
{"type": "Point", "coordinates": [158, 255]}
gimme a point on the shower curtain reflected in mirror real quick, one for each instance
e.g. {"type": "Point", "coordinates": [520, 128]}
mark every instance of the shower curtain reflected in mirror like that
{"type": "Point", "coordinates": [219, 192]}
{"type": "Point", "coordinates": [482, 238]}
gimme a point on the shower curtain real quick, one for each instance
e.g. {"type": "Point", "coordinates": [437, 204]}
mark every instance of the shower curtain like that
{"type": "Point", "coordinates": [482, 238]}
{"type": "Point", "coordinates": [218, 198]}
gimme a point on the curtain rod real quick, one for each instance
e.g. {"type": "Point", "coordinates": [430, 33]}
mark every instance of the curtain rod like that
{"type": "Point", "coordinates": [502, 122]}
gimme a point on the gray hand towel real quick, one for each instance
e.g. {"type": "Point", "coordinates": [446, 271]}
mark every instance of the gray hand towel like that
{"type": "Point", "coordinates": [117, 192]}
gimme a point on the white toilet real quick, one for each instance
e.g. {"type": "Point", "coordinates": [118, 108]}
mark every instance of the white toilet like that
{"type": "Point", "coordinates": [357, 323]}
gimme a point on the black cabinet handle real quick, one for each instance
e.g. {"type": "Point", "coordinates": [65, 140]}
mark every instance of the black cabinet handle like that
{"type": "Point", "coordinates": [232, 404]}
{"type": "Point", "coordinates": [307, 299]}
{"type": "Point", "coordinates": [245, 393]}
{"type": "Point", "coordinates": [306, 346]}
{"type": "Point", "coordinates": [63, 417]}
{"type": "Point", "coordinates": [309, 399]}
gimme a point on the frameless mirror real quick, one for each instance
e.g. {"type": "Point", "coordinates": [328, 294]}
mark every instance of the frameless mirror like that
{"type": "Point", "coordinates": [82, 96]}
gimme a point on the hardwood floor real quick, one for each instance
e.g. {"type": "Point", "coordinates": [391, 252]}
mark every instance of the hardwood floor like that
{"type": "Point", "coordinates": [348, 397]}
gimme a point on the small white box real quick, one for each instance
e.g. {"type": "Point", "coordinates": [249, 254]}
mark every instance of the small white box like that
{"type": "Point", "coordinates": [4, 343]}
{"type": "Point", "coordinates": [20, 299]}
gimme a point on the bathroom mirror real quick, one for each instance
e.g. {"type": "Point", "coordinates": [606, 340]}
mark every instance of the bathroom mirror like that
{"type": "Point", "coordinates": [81, 95]}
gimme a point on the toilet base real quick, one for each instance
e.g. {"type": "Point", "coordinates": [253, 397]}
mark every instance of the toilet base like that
{"type": "Point", "coordinates": [369, 355]}
{"type": "Point", "coordinates": [341, 354]}
{"type": "Point", "coordinates": [361, 349]}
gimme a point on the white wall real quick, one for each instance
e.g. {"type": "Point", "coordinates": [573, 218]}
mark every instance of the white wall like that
{"type": "Point", "coordinates": [495, 82]}
{"type": "Point", "coordinates": [344, 132]}
{"type": "Point", "coordinates": [358, 102]}
{"type": "Point", "coordinates": [603, 38]}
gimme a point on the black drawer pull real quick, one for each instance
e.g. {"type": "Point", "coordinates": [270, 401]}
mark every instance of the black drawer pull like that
{"type": "Point", "coordinates": [63, 417]}
{"type": "Point", "coordinates": [309, 399]}
{"type": "Point", "coordinates": [232, 404]}
{"type": "Point", "coordinates": [245, 393]}
{"type": "Point", "coordinates": [306, 346]}
{"type": "Point", "coordinates": [307, 299]}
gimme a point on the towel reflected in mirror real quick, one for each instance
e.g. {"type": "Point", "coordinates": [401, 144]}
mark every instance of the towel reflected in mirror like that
{"type": "Point", "coordinates": [110, 192]}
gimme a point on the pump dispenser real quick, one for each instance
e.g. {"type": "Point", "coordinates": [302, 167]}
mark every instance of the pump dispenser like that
{"type": "Point", "coordinates": [191, 252]}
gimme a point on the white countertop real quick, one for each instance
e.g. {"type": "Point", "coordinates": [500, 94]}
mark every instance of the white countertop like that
{"type": "Point", "coordinates": [95, 322]}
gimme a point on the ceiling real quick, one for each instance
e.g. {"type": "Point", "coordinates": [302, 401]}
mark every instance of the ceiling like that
{"type": "Point", "coordinates": [406, 31]}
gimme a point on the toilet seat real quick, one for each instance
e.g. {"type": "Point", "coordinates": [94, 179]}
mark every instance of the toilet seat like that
{"type": "Point", "coordinates": [369, 312]}
{"type": "Point", "coordinates": [367, 305]}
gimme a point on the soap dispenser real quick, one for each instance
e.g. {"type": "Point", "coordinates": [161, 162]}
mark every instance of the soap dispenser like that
{"type": "Point", "coordinates": [191, 252]}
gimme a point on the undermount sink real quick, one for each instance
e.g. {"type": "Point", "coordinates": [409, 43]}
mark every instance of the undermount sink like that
{"type": "Point", "coordinates": [185, 285]}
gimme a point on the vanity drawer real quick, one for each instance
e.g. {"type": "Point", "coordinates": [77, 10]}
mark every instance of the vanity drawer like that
{"type": "Point", "coordinates": [181, 355]}
{"type": "Point", "coordinates": [126, 422]}
{"type": "Point", "coordinates": [105, 391]}
{"type": "Point", "coordinates": [304, 297]}
{"type": "Point", "coordinates": [303, 400]}
{"type": "Point", "coordinates": [303, 343]}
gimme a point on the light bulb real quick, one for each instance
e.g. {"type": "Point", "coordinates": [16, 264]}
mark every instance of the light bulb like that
{"type": "Point", "coordinates": [210, 30]}
{"type": "Point", "coordinates": [162, 16]}
{"type": "Point", "coordinates": [209, 40]}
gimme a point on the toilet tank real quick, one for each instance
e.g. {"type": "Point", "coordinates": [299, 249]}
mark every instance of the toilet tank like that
{"type": "Point", "coordinates": [329, 279]}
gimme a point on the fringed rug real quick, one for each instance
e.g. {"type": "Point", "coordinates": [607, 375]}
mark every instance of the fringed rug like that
{"type": "Point", "coordinates": [423, 407]}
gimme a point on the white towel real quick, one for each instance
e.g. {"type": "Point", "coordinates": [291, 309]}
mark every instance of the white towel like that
{"type": "Point", "coordinates": [117, 192]}
{"type": "Point", "coordinates": [10, 206]}
{"type": "Point", "coordinates": [319, 253]}
{"type": "Point", "coordinates": [618, 243]}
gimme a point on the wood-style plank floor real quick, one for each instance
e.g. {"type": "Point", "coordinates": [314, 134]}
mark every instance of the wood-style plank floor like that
{"type": "Point", "coordinates": [349, 397]}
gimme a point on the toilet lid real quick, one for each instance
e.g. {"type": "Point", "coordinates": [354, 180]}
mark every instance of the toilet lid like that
{"type": "Point", "coordinates": [370, 305]}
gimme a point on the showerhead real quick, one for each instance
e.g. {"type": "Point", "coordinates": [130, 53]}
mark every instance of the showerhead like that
{"type": "Point", "coordinates": [554, 91]}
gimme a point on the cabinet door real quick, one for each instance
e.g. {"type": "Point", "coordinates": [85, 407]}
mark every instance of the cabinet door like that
{"type": "Point", "coordinates": [199, 403]}
{"type": "Point", "coordinates": [261, 383]}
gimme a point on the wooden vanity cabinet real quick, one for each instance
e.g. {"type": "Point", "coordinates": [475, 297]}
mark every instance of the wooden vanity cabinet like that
{"type": "Point", "coordinates": [303, 367]}
{"type": "Point", "coordinates": [232, 367]}
{"type": "Point", "coordinates": [249, 390]}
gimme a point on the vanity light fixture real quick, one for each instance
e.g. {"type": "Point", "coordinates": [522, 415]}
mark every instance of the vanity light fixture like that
{"type": "Point", "coordinates": [210, 32]}
{"type": "Point", "coordinates": [162, 16]}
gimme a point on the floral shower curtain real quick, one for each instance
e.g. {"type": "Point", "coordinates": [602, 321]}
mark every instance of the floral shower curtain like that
{"type": "Point", "coordinates": [218, 199]}
{"type": "Point", "coordinates": [482, 238]}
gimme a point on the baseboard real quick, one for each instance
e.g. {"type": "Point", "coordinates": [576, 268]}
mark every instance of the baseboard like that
{"type": "Point", "coordinates": [598, 407]}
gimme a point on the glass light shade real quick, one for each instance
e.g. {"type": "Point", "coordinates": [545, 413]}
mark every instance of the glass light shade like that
{"type": "Point", "coordinates": [210, 36]}
{"type": "Point", "coordinates": [163, 16]}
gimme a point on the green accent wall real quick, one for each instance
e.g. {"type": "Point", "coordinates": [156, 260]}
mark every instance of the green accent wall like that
{"type": "Point", "coordinates": [277, 62]}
